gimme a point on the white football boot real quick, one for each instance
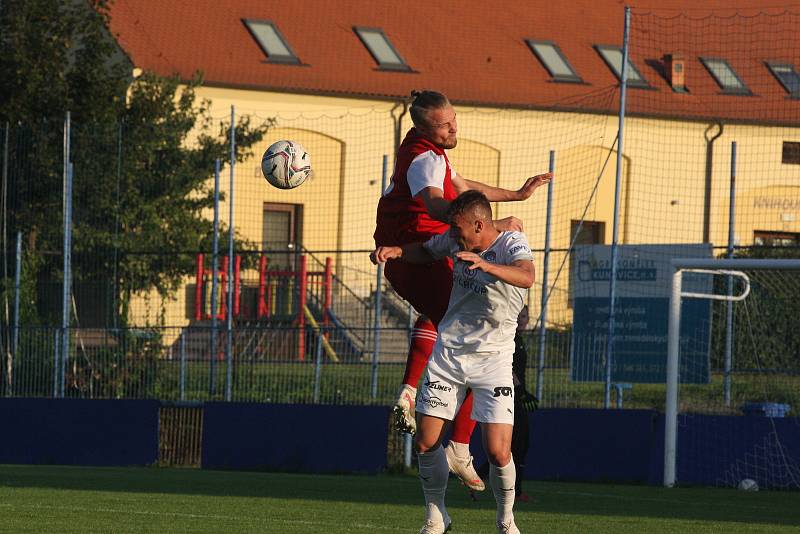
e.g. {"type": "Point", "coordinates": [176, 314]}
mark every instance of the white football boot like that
{"type": "Point", "coordinates": [508, 528]}
{"type": "Point", "coordinates": [403, 410]}
{"type": "Point", "coordinates": [437, 527]}
{"type": "Point", "coordinates": [463, 469]}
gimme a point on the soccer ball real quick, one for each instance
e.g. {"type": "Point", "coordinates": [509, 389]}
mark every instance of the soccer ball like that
{"type": "Point", "coordinates": [748, 484]}
{"type": "Point", "coordinates": [286, 164]}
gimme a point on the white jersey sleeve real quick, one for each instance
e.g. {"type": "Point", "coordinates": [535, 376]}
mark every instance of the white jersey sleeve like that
{"type": "Point", "coordinates": [441, 246]}
{"type": "Point", "coordinates": [518, 248]}
{"type": "Point", "coordinates": [426, 170]}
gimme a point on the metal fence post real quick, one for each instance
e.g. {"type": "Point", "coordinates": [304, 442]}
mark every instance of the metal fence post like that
{"type": "Point", "coordinates": [182, 384]}
{"type": "Point", "coordinates": [10, 353]}
{"type": "Point", "coordinates": [729, 303]}
{"type": "Point", "coordinates": [15, 342]}
{"type": "Point", "coordinates": [378, 290]}
{"type": "Point", "coordinates": [407, 439]}
{"type": "Point", "coordinates": [56, 366]}
{"type": "Point", "coordinates": [67, 282]}
{"type": "Point", "coordinates": [229, 340]}
{"type": "Point", "coordinates": [612, 290]}
{"type": "Point", "coordinates": [318, 366]}
{"type": "Point", "coordinates": [545, 269]}
{"type": "Point", "coordinates": [214, 292]}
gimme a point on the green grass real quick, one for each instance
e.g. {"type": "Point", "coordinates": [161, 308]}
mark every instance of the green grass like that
{"type": "Point", "coordinates": [80, 499]}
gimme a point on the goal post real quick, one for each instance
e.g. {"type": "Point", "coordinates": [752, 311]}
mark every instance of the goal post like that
{"type": "Point", "coordinates": [721, 267]}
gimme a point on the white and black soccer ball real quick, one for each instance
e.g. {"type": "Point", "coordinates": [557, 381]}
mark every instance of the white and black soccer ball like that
{"type": "Point", "coordinates": [286, 164]}
{"type": "Point", "coordinates": [748, 484]}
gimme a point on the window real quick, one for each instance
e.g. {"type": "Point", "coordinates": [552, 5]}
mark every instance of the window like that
{"type": "Point", "coordinates": [775, 239]}
{"type": "Point", "coordinates": [725, 76]}
{"type": "Point", "coordinates": [791, 153]}
{"type": "Point", "coordinates": [788, 76]}
{"type": "Point", "coordinates": [552, 59]}
{"type": "Point", "coordinates": [588, 233]}
{"type": "Point", "coordinates": [272, 43]}
{"type": "Point", "coordinates": [381, 49]}
{"type": "Point", "coordinates": [612, 55]}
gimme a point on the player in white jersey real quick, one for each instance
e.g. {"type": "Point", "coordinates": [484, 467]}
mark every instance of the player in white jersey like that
{"type": "Point", "coordinates": [491, 275]}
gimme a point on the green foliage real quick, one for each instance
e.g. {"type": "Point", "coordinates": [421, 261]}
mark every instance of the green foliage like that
{"type": "Point", "coordinates": [126, 367]}
{"type": "Point", "coordinates": [766, 325]}
{"type": "Point", "coordinates": [142, 148]}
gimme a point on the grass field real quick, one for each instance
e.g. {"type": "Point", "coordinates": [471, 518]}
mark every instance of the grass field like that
{"type": "Point", "coordinates": [79, 499]}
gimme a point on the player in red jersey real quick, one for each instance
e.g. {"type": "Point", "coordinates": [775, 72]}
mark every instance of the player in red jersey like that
{"type": "Point", "coordinates": [414, 208]}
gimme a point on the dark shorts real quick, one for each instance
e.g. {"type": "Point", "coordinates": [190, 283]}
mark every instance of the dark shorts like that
{"type": "Point", "coordinates": [426, 287]}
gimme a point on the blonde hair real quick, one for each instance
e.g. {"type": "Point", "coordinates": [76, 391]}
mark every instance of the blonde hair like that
{"type": "Point", "coordinates": [424, 101]}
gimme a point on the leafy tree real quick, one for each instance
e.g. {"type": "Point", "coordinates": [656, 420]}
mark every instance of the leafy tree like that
{"type": "Point", "coordinates": [142, 148]}
{"type": "Point", "coordinates": [766, 325]}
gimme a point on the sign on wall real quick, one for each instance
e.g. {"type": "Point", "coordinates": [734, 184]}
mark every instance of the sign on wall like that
{"type": "Point", "coordinates": [644, 276]}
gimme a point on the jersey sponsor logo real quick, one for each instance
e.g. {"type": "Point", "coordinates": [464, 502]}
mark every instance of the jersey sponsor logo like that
{"type": "Point", "coordinates": [490, 256]}
{"type": "Point", "coordinates": [517, 249]}
{"type": "Point", "coordinates": [472, 285]}
{"type": "Point", "coordinates": [436, 385]}
{"type": "Point", "coordinates": [434, 402]}
{"type": "Point", "coordinates": [505, 391]}
{"type": "Point", "coordinates": [469, 273]}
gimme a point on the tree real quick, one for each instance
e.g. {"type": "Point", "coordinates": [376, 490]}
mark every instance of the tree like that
{"type": "Point", "coordinates": [142, 150]}
{"type": "Point", "coordinates": [766, 324]}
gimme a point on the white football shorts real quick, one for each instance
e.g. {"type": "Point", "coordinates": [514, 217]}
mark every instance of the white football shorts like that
{"type": "Point", "coordinates": [449, 375]}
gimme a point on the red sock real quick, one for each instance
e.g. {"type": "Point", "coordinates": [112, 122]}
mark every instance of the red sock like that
{"type": "Point", "coordinates": [423, 337]}
{"type": "Point", "coordinates": [463, 425]}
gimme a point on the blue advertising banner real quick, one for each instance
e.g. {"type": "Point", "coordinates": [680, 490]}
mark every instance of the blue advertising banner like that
{"type": "Point", "coordinates": [641, 314]}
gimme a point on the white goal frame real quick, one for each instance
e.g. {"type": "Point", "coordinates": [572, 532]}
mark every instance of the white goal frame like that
{"type": "Point", "coordinates": [728, 267]}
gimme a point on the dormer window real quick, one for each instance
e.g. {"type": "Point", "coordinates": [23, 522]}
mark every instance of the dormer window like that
{"type": "Point", "coordinates": [788, 76]}
{"type": "Point", "coordinates": [612, 55]}
{"type": "Point", "coordinates": [725, 76]}
{"type": "Point", "coordinates": [552, 59]}
{"type": "Point", "coordinates": [381, 49]}
{"type": "Point", "coordinates": [271, 41]}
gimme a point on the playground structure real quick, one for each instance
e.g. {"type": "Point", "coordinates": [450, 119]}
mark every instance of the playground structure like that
{"type": "Point", "coordinates": [285, 298]}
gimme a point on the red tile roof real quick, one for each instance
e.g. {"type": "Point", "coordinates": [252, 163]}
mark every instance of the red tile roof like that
{"type": "Point", "coordinates": [475, 52]}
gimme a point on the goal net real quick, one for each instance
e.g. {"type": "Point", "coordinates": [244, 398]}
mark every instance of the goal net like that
{"type": "Point", "coordinates": [742, 423]}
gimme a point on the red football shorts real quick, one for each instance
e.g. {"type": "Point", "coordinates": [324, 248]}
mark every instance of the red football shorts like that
{"type": "Point", "coordinates": [426, 287]}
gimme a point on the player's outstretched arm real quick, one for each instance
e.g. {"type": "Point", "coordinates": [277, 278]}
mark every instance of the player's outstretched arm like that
{"type": "Point", "coordinates": [412, 253]}
{"type": "Point", "coordinates": [520, 273]}
{"type": "Point", "coordinates": [498, 194]}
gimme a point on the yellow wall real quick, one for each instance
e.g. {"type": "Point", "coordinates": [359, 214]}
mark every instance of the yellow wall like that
{"type": "Point", "coordinates": [663, 176]}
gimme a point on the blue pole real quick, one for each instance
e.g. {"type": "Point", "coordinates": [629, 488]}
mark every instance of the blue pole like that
{"type": "Point", "coordinates": [183, 365]}
{"type": "Point", "coordinates": [229, 340]}
{"type": "Point", "coordinates": [56, 340]}
{"type": "Point", "coordinates": [612, 290]}
{"type": "Point", "coordinates": [67, 248]}
{"type": "Point", "coordinates": [15, 344]}
{"type": "Point", "coordinates": [379, 286]}
{"type": "Point", "coordinates": [318, 367]}
{"type": "Point", "coordinates": [729, 303]}
{"type": "Point", "coordinates": [215, 259]}
{"type": "Point", "coordinates": [545, 269]}
{"type": "Point", "coordinates": [10, 362]}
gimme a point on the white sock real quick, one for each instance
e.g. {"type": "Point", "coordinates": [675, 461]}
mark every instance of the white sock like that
{"type": "Point", "coordinates": [502, 480]}
{"type": "Point", "coordinates": [460, 449]}
{"type": "Point", "coordinates": [433, 473]}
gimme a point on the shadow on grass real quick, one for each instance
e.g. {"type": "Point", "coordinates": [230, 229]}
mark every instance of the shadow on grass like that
{"type": "Point", "coordinates": [700, 504]}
